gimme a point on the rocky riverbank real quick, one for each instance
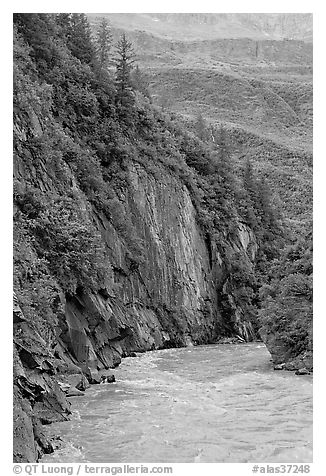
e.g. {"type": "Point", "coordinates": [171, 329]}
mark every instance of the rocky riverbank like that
{"type": "Point", "coordinates": [283, 356]}
{"type": "Point", "coordinates": [42, 385]}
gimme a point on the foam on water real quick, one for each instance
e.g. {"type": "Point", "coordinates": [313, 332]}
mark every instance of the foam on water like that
{"type": "Point", "coordinates": [217, 403]}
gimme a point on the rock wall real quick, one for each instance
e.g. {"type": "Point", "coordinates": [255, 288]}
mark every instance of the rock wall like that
{"type": "Point", "coordinates": [170, 297]}
{"type": "Point", "coordinates": [37, 397]}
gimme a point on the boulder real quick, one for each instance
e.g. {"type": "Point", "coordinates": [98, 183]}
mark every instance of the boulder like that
{"type": "Point", "coordinates": [82, 384]}
{"type": "Point", "coordinates": [74, 392]}
{"type": "Point", "coordinates": [17, 312]}
{"type": "Point", "coordinates": [302, 361]}
{"type": "Point", "coordinates": [93, 377]}
{"type": "Point", "coordinates": [107, 378]}
{"type": "Point", "coordinates": [64, 386]}
{"type": "Point", "coordinates": [228, 340]}
{"type": "Point", "coordinates": [42, 442]}
{"type": "Point", "coordinates": [78, 381]}
{"type": "Point", "coordinates": [302, 371]}
{"type": "Point", "coordinates": [64, 367]}
{"type": "Point", "coordinates": [279, 366]}
{"type": "Point", "coordinates": [24, 449]}
{"type": "Point", "coordinates": [50, 405]}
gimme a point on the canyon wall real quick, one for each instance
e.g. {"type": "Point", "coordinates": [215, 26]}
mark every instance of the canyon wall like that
{"type": "Point", "coordinates": [170, 296]}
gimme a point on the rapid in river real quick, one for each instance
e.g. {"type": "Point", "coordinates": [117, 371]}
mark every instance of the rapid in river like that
{"type": "Point", "coordinates": [206, 404]}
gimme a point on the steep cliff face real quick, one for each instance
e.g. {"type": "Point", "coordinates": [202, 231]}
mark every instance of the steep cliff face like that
{"type": "Point", "coordinates": [37, 397]}
{"type": "Point", "coordinates": [173, 294]}
{"type": "Point", "coordinates": [172, 297]}
{"type": "Point", "coordinates": [169, 299]}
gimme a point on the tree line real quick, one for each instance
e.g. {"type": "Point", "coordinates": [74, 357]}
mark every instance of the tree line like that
{"type": "Point", "coordinates": [95, 118]}
{"type": "Point", "coordinates": [95, 50]}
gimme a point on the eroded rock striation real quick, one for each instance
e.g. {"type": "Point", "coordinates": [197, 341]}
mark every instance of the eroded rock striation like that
{"type": "Point", "coordinates": [37, 397]}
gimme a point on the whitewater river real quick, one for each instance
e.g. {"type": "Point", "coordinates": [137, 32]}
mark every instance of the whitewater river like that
{"type": "Point", "coordinates": [214, 403]}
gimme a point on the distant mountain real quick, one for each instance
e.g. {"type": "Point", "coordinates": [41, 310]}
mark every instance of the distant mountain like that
{"type": "Point", "coordinates": [208, 26]}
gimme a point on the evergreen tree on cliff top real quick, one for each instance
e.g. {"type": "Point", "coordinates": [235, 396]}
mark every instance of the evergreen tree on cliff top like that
{"type": "Point", "coordinates": [38, 29]}
{"type": "Point", "coordinates": [103, 43]}
{"type": "Point", "coordinates": [124, 87]}
{"type": "Point", "coordinates": [77, 31]}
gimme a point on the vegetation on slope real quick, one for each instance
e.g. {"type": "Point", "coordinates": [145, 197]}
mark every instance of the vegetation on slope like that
{"type": "Point", "coordinates": [286, 312]}
{"type": "Point", "coordinates": [86, 124]}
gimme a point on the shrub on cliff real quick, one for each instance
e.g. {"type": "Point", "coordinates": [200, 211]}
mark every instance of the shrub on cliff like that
{"type": "Point", "coordinates": [125, 96]}
{"type": "Point", "coordinates": [286, 312]}
{"type": "Point", "coordinates": [37, 290]}
{"type": "Point", "coordinates": [62, 238]}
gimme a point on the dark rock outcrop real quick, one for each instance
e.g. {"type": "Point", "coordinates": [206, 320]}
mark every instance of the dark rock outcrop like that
{"type": "Point", "coordinates": [74, 392]}
{"type": "Point", "coordinates": [107, 378]}
{"type": "Point", "coordinates": [170, 299]}
{"type": "Point", "coordinates": [304, 360]}
{"type": "Point", "coordinates": [279, 366]}
{"type": "Point", "coordinates": [38, 398]}
{"type": "Point", "coordinates": [302, 371]}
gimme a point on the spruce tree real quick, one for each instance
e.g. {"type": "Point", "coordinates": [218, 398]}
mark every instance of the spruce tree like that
{"type": "Point", "coordinates": [140, 82]}
{"type": "Point", "coordinates": [63, 20]}
{"type": "Point", "coordinates": [124, 64]}
{"type": "Point", "coordinates": [80, 38]}
{"type": "Point", "coordinates": [103, 43]}
{"type": "Point", "coordinates": [37, 30]}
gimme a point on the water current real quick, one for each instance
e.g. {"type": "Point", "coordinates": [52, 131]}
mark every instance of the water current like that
{"type": "Point", "coordinates": [206, 404]}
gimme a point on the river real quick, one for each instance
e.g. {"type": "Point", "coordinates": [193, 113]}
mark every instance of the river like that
{"type": "Point", "coordinates": [205, 404]}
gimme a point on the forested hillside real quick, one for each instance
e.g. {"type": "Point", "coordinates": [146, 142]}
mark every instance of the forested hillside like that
{"type": "Point", "coordinates": [132, 231]}
{"type": "Point", "coordinates": [239, 71]}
